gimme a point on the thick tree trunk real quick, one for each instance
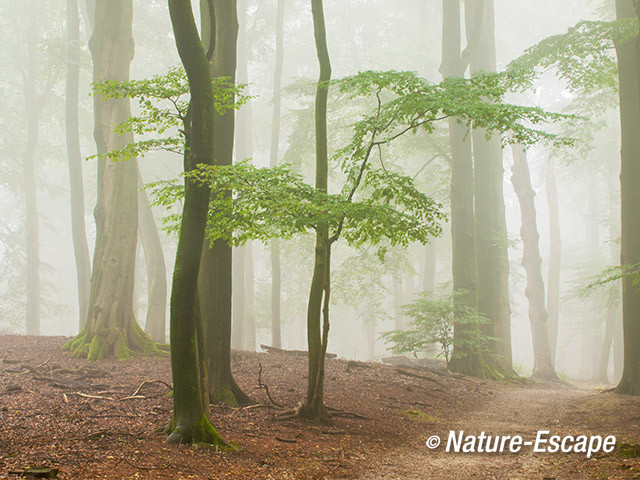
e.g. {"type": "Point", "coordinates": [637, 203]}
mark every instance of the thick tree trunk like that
{"type": "Point", "coordinates": [465, 358]}
{"type": "Point", "coordinates": [110, 329]}
{"type": "Point", "coordinates": [76, 184]}
{"type": "Point", "coordinates": [155, 326]}
{"type": "Point", "coordinates": [215, 282]}
{"type": "Point", "coordinates": [532, 263]}
{"type": "Point", "coordinates": [491, 229]}
{"type": "Point", "coordinates": [555, 259]}
{"type": "Point", "coordinates": [629, 71]}
{"type": "Point", "coordinates": [190, 423]}
{"type": "Point", "coordinates": [276, 276]}
{"type": "Point", "coordinates": [317, 333]}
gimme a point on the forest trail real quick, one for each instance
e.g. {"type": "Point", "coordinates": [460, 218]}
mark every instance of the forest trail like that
{"type": "Point", "coordinates": [522, 411]}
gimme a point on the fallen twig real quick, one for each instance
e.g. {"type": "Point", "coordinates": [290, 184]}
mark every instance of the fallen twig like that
{"type": "Point", "coordinates": [266, 388]}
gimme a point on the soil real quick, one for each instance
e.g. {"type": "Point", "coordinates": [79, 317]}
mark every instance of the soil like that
{"type": "Point", "coordinates": [100, 421]}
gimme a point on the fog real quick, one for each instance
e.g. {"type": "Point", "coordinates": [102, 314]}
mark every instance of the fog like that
{"type": "Point", "coordinates": [367, 292]}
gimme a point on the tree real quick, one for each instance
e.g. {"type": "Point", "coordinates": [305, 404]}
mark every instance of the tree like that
{"type": "Point", "coordinates": [629, 75]}
{"type": "Point", "coordinates": [78, 231]}
{"type": "Point", "coordinates": [313, 407]}
{"type": "Point", "coordinates": [491, 230]}
{"type": "Point", "coordinates": [276, 280]}
{"type": "Point", "coordinates": [220, 33]}
{"type": "Point", "coordinates": [111, 329]}
{"type": "Point", "coordinates": [532, 263]}
{"type": "Point", "coordinates": [555, 258]}
{"type": "Point", "coordinates": [454, 64]}
{"type": "Point", "coordinates": [190, 422]}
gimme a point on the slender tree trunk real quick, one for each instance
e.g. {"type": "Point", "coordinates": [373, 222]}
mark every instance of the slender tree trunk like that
{"type": "Point", "coordinates": [110, 329]}
{"type": "Point", "coordinates": [276, 278]}
{"type": "Point", "coordinates": [629, 71]}
{"type": "Point", "coordinates": [491, 229]}
{"type": "Point", "coordinates": [429, 270]}
{"type": "Point", "coordinates": [555, 259]}
{"type": "Point", "coordinates": [532, 263]}
{"type": "Point", "coordinates": [215, 282]}
{"type": "Point", "coordinates": [33, 108]}
{"type": "Point", "coordinates": [238, 301]}
{"type": "Point", "coordinates": [190, 423]}
{"type": "Point", "coordinates": [317, 332]}
{"type": "Point", "coordinates": [155, 325]}
{"type": "Point", "coordinates": [250, 325]}
{"type": "Point", "coordinates": [244, 150]}
{"type": "Point", "coordinates": [398, 322]}
{"type": "Point", "coordinates": [76, 183]}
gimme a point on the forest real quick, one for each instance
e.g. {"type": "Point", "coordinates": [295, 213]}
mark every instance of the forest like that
{"type": "Point", "coordinates": [314, 239]}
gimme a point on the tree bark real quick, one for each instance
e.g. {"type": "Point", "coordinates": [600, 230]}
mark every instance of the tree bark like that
{"type": "Point", "coordinates": [155, 325]}
{"type": "Point", "coordinates": [532, 263]}
{"type": "Point", "coordinates": [215, 283]}
{"type": "Point", "coordinates": [555, 259]}
{"type": "Point", "coordinates": [491, 229]}
{"type": "Point", "coordinates": [317, 329]}
{"type": "Point", "coordinates": [629, 71]}
{"type": "Point", "coordinates": [76, 183]}
{"type": "Point", "coordinates": [111, 329]}
{"type": "Point", "coordinates": [276, 277]}
{"type": "Point", "coordinates": [190, 423]}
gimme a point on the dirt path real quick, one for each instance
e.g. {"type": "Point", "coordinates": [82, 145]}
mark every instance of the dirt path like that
{"type": "Point", "coordinates": [523, 411]}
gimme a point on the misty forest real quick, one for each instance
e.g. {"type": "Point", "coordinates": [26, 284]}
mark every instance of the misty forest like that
{"type": "Point", "coordinates": [320, 239]}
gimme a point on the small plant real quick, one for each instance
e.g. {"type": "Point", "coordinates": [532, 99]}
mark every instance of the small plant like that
{"type": "Point", "coordinates": [433, 322]}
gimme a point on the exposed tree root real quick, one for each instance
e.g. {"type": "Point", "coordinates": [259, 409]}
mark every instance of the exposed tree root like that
{"type": "Point", "coordinates": [113, 343]}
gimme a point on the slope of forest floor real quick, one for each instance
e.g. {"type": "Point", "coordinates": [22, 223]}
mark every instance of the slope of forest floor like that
{"type": "Point", "coordinates": [99, 420]}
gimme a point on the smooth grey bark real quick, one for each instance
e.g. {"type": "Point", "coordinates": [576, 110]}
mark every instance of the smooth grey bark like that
{"type": "Point", "coordinates": [276, 274]}
{"type": "Point", "coordinates": [110, 329]}
{"type": "Point", "coordinates": [491, 230]}
{"type": "Point", "coordinates": [532, 263]}
{"type": "Point", "coordinates": [155, 325]}
{"type": "Point", "coordinates": [555, 259]}
{"type": "Point", "coordinates": [76, 183]}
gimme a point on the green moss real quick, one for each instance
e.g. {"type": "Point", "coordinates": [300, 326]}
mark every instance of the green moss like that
{"type": "Point", "coordinates": [122, 349]}
{"type": "Point", "coordinates": [629, 450]}
{"type": "Point", "coordinates": [97, 349]}
{"type": "Point", "coordinates": [201, 433]}
{"type": "Point", "coordinates": [417, 415]}
{"type": "Point", "coordinates": [224, 396]}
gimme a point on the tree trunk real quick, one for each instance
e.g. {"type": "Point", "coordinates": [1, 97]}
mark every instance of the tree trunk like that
{"type": "Point", "coordinates": [155, 326]}
{"type": "Point", "coordinates": [33, 108]}
{"type": "Point", "coordinates": [250, 317]}
{"type": "Point", "coordinates": [238, 302]}
{"type": "Point", "coordinates": [491, 229]}
{"type": "Point", "coordinates": [190, 423]}
{"type": "Point", "coordinates": [629, 71]}
{"type": "Point", "coordinates": [532, 263]}
{"type": "Point", "coordinates": [244, 150]}
{"type": "Point", "coordinates": [110, 329]}
{"type": "Point", "coordinates": [276, 278]}
{"type": "Point", "coordinates": [555, 260]}
{"type": "Point", "coordinates": [76, 184]}
{"type": "Point", "coordinates": [317, 333]}
{"type": "Point", "coordinates": [215, 283]}
{"type": "Point", "coordinates": [398, 320]}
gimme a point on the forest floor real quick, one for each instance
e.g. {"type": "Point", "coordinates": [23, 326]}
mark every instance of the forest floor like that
{"type": "Point", "coordinates": [100, 421]}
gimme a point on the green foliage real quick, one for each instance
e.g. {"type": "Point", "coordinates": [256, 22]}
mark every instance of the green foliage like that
{"type": "Point", "coordinates": [433, 320]}
{"type": "Point", "coordinates": [163, 103]}
{"type": "Point", "coordinates": [583, 57]}
{"type": "Point", "coordinates": [614, 274]}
